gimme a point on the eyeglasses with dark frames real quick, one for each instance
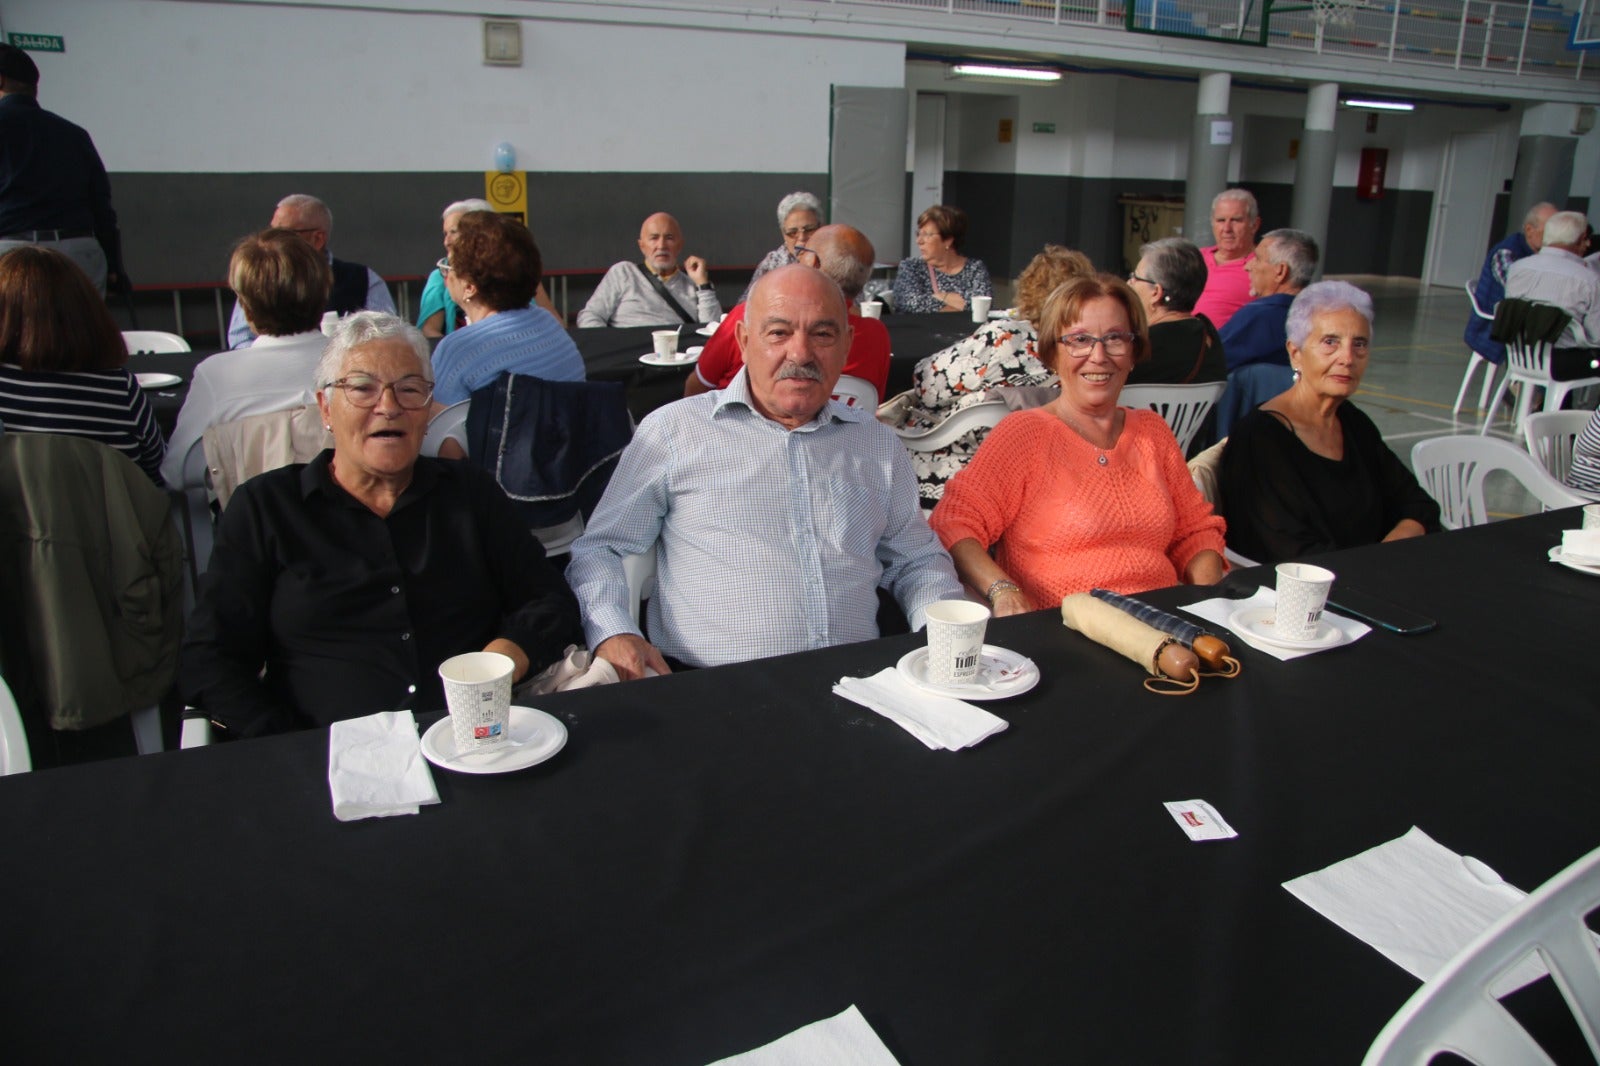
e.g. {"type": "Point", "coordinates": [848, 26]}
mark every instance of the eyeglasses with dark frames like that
{"type": "Point", "coordinates": [801, 231]}
{"type": "Point", "coordinates": [1116, 343]}
{"type": "Point", "coordinates": [412, 392]}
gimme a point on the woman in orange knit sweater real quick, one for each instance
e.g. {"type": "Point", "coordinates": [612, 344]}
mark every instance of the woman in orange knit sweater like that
{"type": "Point", "coordinates": [1081, 493]}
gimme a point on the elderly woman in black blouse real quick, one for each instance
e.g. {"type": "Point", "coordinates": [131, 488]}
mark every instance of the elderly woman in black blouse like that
{"type": "Point", "coordinates": [336, 587]}
{"type": "Point", "coordinates": [1307, 471]}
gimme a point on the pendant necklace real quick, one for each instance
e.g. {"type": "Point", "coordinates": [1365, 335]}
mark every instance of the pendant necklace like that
{"type": "Point", "coordinates": [1100, 453]}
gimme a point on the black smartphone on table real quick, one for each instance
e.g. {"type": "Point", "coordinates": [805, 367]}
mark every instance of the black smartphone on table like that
{"type": "Point", "coordinates": [1375, 611]}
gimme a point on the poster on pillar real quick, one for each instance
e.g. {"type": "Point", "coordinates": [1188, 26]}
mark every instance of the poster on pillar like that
{"type": "Point", "coordinates": [1369, 176]}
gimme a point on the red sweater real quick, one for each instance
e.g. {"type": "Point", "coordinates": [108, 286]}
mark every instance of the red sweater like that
{"type": "Point", "coordinates": [1060, 523]}
{"type": "Point", "coordinates": [869, 353]}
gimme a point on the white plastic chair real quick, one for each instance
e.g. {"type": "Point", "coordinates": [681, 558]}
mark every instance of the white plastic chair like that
{"type": "Point", "coordinates": [445, 423]}
{"type": "Point", "coordinates": [1530, 364]}
{"type": "Point", "coordinates": [153, 342]}
{"type": "Point", "coordinates": [1476, 361]}
{"type": "Point", "coordinates": [640, 570]}
{"type": "Point", "coordinates": [1183, 407]}
{"type": "Point", "coordinates": [1550, 436]}
{"type": "Point", "coordinates": [14, 756]}
{"type": "Point", "coordinates": [985, 415]}
{"type": "Point", "coordinates": [1453, 470]}
{"type": "Point", "coordinates": [856, 392]}
{"type": "Point", "coordinates": [1455, 1011]}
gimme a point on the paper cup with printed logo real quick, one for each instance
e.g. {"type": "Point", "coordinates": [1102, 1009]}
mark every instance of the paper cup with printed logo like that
{"type": "Point", "coordinates": [871, 308]}
{"type": "Point", "coordinates": [1591, 516]}
{"type": "Point", "coordinates": [1302, 592]}
{"type": "Point", "coordinates": [955, 641]}
{"type": "Point", "coordinates": [477, 690]}
{"type": "Point", "coordinates": [980, 308]}
{"type": "Point", "coordinates": [666, 342]}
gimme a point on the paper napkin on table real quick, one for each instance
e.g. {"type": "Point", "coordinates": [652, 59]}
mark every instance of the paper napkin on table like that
{"type": "Point", "coordinates": [843, 1040]}
{"type": "Point", "coordinates": [376, 769]}
{"type": "Point", "coordinates": [1222, 608]}
{"type": "Point", "coordinates": [1417, 902]}
{"type": "Point", "coordinates": [937, 721]}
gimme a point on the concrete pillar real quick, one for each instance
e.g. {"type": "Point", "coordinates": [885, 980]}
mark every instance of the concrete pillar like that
{"type": "Point", "coordinates": [1313, 168]}
{"type": "Point", "coordinates": [1208, 160]}
{"type": "Point", "coordinates": [1545, 153]}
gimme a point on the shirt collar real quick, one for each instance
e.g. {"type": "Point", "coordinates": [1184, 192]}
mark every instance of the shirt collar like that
{"type": "Point", "coordinates": [738, 393]}
{"type": "Point", "coordinates": [296, 339]}
{"type": "Point", "coordinates": [1560, 253]}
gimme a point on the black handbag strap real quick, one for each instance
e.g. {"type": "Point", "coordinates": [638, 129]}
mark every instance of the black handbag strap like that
{"type": "Point", "coordinates": [666, 294]}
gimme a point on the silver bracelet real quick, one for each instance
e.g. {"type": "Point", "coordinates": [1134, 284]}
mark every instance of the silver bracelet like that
{"type": "Point", "coordinates": [1003, 585]}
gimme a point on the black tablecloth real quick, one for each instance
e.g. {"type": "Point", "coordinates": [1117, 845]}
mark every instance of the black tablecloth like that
{"type": "Point", "coordinates": [719, 857]}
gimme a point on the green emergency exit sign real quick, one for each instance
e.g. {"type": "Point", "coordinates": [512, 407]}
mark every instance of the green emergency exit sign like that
{"type": "Point", "coordinates": [1044, 127]}
{"type": "Point", "coordinates": [38, 42]}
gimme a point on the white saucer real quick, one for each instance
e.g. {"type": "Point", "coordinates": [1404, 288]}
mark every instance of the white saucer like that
{"type": "Point", "coordinates": [1001, 674]}
{"type": "Point", "coordinates": [709, 328]}
{"type": "Point", "coordinates": [535, 737]}
{"type": "Point", "coordinates": [1003, 312]}
{"type": "Point", "coordinates": [151, 380]}
{"type": "Point", "coordinates": [688, 358]}
{"type": "Point", "coordinates": [1257, 622]}
{"type": "Point", "coordinates": [1580, 563]}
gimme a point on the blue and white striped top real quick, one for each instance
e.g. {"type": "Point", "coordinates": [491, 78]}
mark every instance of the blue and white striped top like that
{"type": "Point", "coordinates": [103, 405]}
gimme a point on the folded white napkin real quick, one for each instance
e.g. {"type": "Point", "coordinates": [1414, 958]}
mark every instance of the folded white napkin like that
{"type": "Point", "coordinates": [1220, 609]}
{"type": "Point", "coordinates": [937, 721]}
{"type": "Point", "coordinates": [843, 1040]}
{"type": "Point", "coordinates": [577, 668]}
{"type": "Point", "coordinates": [376, 768]}
{"type": "Point", "coordinates": [1417, 902]}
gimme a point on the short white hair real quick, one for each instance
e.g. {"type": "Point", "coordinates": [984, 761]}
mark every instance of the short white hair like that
{"type": "Point", "coordinates": [1321, 298]}
{"type": "Point", "coordinates": [797, 200]}
{"type": "Point", "coordinates": [306, 205]}
{"type": "Point", "coordinates": [365, 327]}
{"type": "Point", "coordinates": [1244, 196]}
{"type": "Point", "coordinates": [461, 207]}
{"type": "Point", "coordinates": [1565, 227]}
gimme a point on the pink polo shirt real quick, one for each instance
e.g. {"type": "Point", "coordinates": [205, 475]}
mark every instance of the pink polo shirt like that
{"type": "Point", "coordinates": [1227, 287]}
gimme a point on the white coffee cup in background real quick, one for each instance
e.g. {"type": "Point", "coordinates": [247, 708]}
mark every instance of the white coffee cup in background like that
{"type": "Point", "coordinates": [955, 641]}
{"type": "Point", "coordinates": [980, 308]}
{"type": "Point", "coordinates": [1302, 593]}
{"type": "Point", "coordinates": [477, 690]}
{"type": "Point", "coordinates": [1591, 516]}
{"type": "Point", "coordinates": [666, 342]}
{"type": "Point", "coordinates": [871, 308]}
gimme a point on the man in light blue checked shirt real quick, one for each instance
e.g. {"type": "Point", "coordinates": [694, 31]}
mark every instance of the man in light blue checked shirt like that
{"type": "Point", "coordinates": [776, 514]}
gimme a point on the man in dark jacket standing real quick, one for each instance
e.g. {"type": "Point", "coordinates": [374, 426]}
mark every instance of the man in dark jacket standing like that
{"type": "Point", "coordinates": [53, 188]}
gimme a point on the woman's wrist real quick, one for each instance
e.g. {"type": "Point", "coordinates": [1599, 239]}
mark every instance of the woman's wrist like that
{"type": "Point", "coordinates": [1000, 587]}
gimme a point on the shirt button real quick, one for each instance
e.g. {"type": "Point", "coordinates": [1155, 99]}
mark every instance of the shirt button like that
{"type": "Point", "coordinates": [395, 589]}
{"type": "Point", "coordinates": [405, 636]}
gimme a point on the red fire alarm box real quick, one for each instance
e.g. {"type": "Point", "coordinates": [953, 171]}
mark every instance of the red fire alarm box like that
{"type": "Point", "coordinates": [1369, 179]}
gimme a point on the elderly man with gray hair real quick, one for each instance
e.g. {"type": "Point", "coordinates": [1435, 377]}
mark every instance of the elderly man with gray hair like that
{"type": "Point", "coordinates": [1255, 340]}
{"type": "Point", "coordinates": [1556, 274]}
{"type": "Point", "coordinates": [1235, 218]}
{"type": "Point", "coordinates": [355, 287]}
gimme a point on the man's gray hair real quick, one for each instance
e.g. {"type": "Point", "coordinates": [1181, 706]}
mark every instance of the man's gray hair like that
{"type": "Point", "coordinates": [461, 207]}
{"type": "Point", "coordinates": [847, 272]}
{"type": "Point", "coordinates": [1540, 208]}
{"type": "Point", "coordinates": [303, 204]}
{"type": "Point", "coordinates": [1178, 267]}
{"type": "Point", "coordinates": [1320, 299]}
{"type": "Point", "coordinates": [1565, 228]}
{"type": "Point", "coordinates": [1295, 249]}
{"type": "Point", "coordinates": [796, 200]}
{"type": "Point", "coordinates": [1244, 196]}
{"type": "Point", "coordinates": [365, 327]}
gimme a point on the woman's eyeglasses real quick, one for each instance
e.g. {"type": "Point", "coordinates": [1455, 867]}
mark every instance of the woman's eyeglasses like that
{"type": "Point", "coordinates": [1116, 343]}
{"type": "Point", "coordinates": [412, 393]}
{"type": "Point", "coordinates": [801, 231]}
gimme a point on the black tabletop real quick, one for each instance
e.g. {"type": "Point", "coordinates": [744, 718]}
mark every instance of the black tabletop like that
{"type": "Point", "coordinates": [719, 857]}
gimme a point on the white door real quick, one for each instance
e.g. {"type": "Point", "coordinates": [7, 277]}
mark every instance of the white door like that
{"type": "Point", "coordinates": [1459, 235]}
{"type": "Point", "coordinates": [927, 168]}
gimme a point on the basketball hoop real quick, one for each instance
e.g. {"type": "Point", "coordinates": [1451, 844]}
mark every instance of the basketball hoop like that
{"type": "Point", "coordinates": [1334, 12]}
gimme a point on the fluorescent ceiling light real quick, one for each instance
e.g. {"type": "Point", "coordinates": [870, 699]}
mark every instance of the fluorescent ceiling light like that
{"type": "Point", "coordinates": [980, 70]}
{"type": "Point", "coordinates": [1378, 105]}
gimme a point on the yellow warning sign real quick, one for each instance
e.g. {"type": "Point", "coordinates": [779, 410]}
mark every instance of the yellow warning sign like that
{"type": "Point", "coordinates": [508, 192]}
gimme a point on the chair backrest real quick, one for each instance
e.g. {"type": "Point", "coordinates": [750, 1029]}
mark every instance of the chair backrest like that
{"type": "Point", "coordinates": [450, 421]}
{"type": "Point", "coordinates": [985, 415]}
{"type": "Point", "coordinates": [1472, 295]}
{"type": "Point", "coordinates": [1529, 330]}
{"type": "Point", "coordinates": [640, 570]}
{"type": "Point", "coordinates": [1550, 436]}
{"type": "Point", "coordinates": [14, 757]}
{"type": "Point", "coordinates": [1183, 407]}
{"type": "Point", "coordinates": [1205, 470]}
{"type": "Point", "coordinates": [1453, 470]}
{"type": "Point", "coordinates": [153, 342]}
{"type": "Point", "coordinates": [856, 392]}
{"type": "Point", "coordinates": [237, 451]}
{"type": "Point", "coordinates": [1456, 1010]}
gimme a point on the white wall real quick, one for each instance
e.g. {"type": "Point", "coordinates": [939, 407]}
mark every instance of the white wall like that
{"type": "Point", "coordinates": [226, 87]}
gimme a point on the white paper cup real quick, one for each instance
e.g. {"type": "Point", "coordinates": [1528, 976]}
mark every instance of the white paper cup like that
{"type": "Point", "coordinates": [871, 308]}
{"type": "Point", "coordinates": [955, 641]}
{"type": "Point", "coordinates": [666, 342]}
{"type": "Point", "coordinates": [980, 308]}
{"type": "Point", "coordinates": [1302, 593]}
{"type": "Point", "coordinates": [477, 689]}
{"type": "Point", "coordinates": [1591, 516]}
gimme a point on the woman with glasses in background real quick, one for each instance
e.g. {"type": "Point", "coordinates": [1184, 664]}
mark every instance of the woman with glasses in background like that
{"type": "Point", "coordinates": [799, 216]}
{"type": "Point", "coordinates": [939, 277]}
{"type": "Point", "coordinates": [337, 587]}
{"type": "Point", "coordinates": [1080, 493]}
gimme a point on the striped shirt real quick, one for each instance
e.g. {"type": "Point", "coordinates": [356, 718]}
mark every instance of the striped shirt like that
{"type": "Point", "coordinates": [103, 405]}
{"type": "Point", "coordinates": [769, 540]}
{"type": "Point", "coordinates": [1585, 475]}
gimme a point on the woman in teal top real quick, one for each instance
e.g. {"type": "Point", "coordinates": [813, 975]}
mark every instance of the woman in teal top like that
{"type": "Point", "coordinates": [437, 313]}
